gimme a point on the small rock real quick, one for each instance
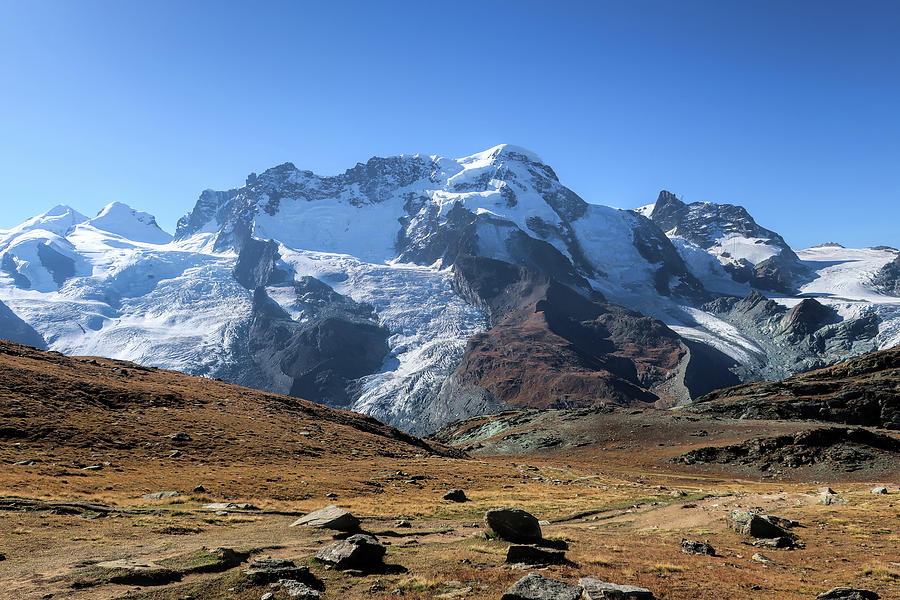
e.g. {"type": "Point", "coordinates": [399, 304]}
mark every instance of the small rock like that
{"type": "Point", "coordinates": [847, 593]}
{"type": "Point", "coordinates": [879, 490]}
{"type": "Point", "coordinates": [180, 437]}
{"type": "Point", "coordinates": [218, 506]}
{"type": "Point", "coordinates": [761, 558]}
{"type": "Point", "coordinates": [298, 589]}
{"type": "Point", "coordinates": [692, 547]}
{"type": "Point", "coordinates": [330, 517]}
{"type": "Point", "coordinates": [25, 463]}
{"type": "Point", "coordinates": [269, 570]}
{"type": "Point", "coordinates": [538, 587]}
{"type": "Point", "coordinates": [514, 525]}
{"type": "Point", "coordinates": [331, 495]}
{"type": "Point", "coordinates": [594, 589]}
{"type": "Point", "coordinates": [455, 495]}
{"type": "Point", "coordinates": [92, 467]}
{"type": "Point", "coordinates": [359, 551]}
{"type": "Point", "coordinates": [267, 596]}
{"type": "Point", "coordinates": [403, 524]}
{"type": "Point", "coordinates": [2, 556]}
{"type": "Point", "coordinates": [781, 542]}
{"type": "Point", "coordinates": [199, 489]}
{"type": "Point", "coordinates": [534, 555]}
{"type": "Point", "coordinates": [829, 499]}
{"type": "Point", "coordinates": [161, 495]}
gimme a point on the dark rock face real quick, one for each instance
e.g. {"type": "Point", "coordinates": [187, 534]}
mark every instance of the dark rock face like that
{"type": "Point", "coordinates": [256, 263]}
{"type": "Point", "coordinates": [887, 280]}
{"type": "Point", "coordinates": [14, 329]}
{"type": "Point", "coordinates": [360, 551]}
{"type": "Point", "coordinates": [514, 525]}
{"type": "Point", "coordinates": [862, 391]}
{"type": "Point", "coordinates": [844, 449]}
{"type": "Point", "coordinates": [338, 343]}
{"type": "Point", "coordinates": [538, 587]}
{"type": "Point", "coordinates": [546, 336]}
{"type": "Point", "coordinates": [807, 336]}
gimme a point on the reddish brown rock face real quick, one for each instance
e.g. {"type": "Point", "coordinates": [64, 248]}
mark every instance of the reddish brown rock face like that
{"type": "Point", "coordinates": [550, 346]}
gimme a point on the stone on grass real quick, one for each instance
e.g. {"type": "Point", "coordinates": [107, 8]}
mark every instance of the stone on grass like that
{"type": "Point", "coordinates": [270, 570]}
{"type": "Point", "coordinates": [161, 495]}
{"type": "Point", "coordinates": [455, 495]}
{"type": "Point", "coordinates": [759, 526]}
{"type": "Point", "coordinates": [538, 587]}
{"type": "Point", "coordinates": [298, 589]}
{"type": "Point", "coordinates": [594, 589]}
{"type": "Point", "coordinates": [330, 517]}
{"type": "Point", "coordinates": [693, 547]}
{"type": "Point", "coordinates": [879, 490]}
{"type": "Point", "coordinates": [847, 593]}
{"type": "Point", "coordinates": [359, 551]}
{"type": "Point", "coordinates": [534, 555]}
{"type": "Point", "coordinates": [514, 525]}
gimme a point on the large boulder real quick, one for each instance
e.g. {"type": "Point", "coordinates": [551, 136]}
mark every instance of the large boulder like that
{"type": "Point", "coordinates": [359, 551]}
{"type": "Point", "coordinates": [330, 517]}
{"type": "Point", "coordinates": [758, 526]}
{"type": "Point", "coordinates": [594, 589]}
{"type": "Point", "coordinates": [847, 593]}
{"type": "Point", "coordinates": [538, 587]}
{"type": "Point", "coordinates": [534, 555]}
{"type": "Point", "coordinates": [514, 525]}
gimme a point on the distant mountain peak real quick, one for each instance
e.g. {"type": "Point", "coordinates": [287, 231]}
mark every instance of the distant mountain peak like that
{"type": "Point", "coordinates": [120, 219]}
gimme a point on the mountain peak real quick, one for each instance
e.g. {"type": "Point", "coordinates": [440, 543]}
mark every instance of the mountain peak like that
{"type": "Point", "coordinates": [120, 219]}
{"type": "Point", "coordinates": [506, 151]}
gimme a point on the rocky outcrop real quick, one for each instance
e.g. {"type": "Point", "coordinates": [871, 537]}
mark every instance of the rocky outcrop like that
{"type": "Point", "coordinates": [551, 346]}
{"type": "Point", "coordinates": [14, 329]}
{"type": "Point", "coordinates": [861, 391]}
{"type": "Point", "coordinates": [807, 336]}
{"type": "Point", "coordinates": [724, 230]}
{"type": "Point", "coordinates": [338, 342]}
{"type": "Point", "coordinates": [887, 280]}
{"type": "Point", "coordinates": [842, 448]}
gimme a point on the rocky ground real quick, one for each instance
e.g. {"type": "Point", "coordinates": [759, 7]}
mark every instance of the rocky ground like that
{"type": "Point", "coordinates": [123, 483]}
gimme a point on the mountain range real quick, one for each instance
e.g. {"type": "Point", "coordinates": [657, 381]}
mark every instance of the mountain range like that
{"type": "Point", "coordinates": [421, 290]}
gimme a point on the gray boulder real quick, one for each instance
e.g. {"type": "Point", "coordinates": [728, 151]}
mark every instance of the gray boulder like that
{"type": "Point", "coordinates": [161, 495]}
{"type": "Point", "coordinates": [847, 593]}
{"type": "Point", "coordinates": [879, 490]}
{"type": "Point", "coordinates": [594, 589]}
{"type": "Point", "coordinates": [538, 587]}
{"type": "Point", "coordinates": [298, 589]}
{"type": "Point", "coordinates": [359, 551]}
{"type": "Point", "coordinates": [692, 547]}
{"type": "Point", "coordinates": [534, 555]}
{"type": "Point", "coordinates": [455, 495]}
{"type": "Point", "coordinates": [270, 570]}
{"type": "Point", "coordinates": [514, 525]}
{"type": "Point", "coordinates": [759, 526]}
{"type": "Point", "coordinates": [330, 517]}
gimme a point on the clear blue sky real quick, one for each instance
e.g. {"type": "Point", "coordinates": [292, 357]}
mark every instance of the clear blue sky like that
{"type": "Point", "coordinates": [791, 109]}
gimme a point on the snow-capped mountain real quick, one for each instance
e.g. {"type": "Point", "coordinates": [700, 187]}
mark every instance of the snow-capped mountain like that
{"type": "Point", "coordinates": [360, 290]}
